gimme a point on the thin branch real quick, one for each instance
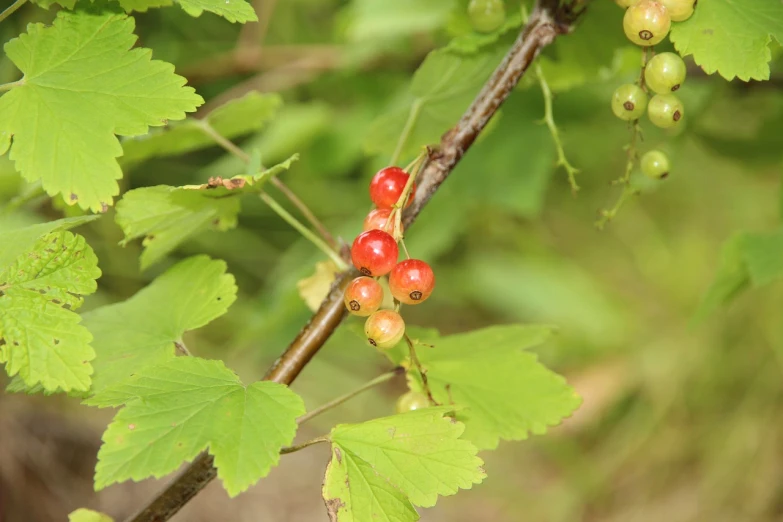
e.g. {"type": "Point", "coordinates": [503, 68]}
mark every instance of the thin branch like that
{"type": "Point", "coordinates": [306, 232]}
{"type": "Point", "coordinates": [306, 212]}
{"type": "Point", "coordinates": [413, 115]}
{"type": "Point", "coordinates": [229, 145]}
{"type": "Point", "coordinates": [350, 395]}
{"type": "Point", "coordinates": [13, 7]}
{"type": "Point", "coordinates": [546, 23]}
{"type": "Point", "coordinates": [549, 119]}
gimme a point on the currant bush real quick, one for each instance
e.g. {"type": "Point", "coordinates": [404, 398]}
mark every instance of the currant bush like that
{"type": "Point", "coordinates": [411, 401]}
{"type": "Point", "coordinates": [363, 296]}
{"type": "Point", "coordinates": [646, 23]}
{"type": "Point", "coordinates": [655, 164]}
{"type": "Point", "coordinates": [387, 185]}
{"type": "Point", "coordinates": [411, 281]}
{"type": "Point", "coordinates": [486, 15]}
{"type": "Point", "coordinates": [374, 253]}
{"type": "Point", "coordinates": [664, 73]}
{"type": "Point", "coordinates": [629, 102]}
{"type": "Point", "coordinates": [384, 328]}
{"type": "Point", "coordinates": [665, 110]}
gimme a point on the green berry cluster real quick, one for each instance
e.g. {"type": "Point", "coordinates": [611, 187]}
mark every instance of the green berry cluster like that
{"type": "Point", "coordinates": [646, 23]}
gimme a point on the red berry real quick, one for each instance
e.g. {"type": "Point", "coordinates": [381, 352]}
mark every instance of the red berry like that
{"type": "Point", "coordinates": [363, 296]}
{"type": "Point", "coordinates": [377, 219]}
{"type": "Point", "coordinates": [387, 186]}
{"type": "Point", "coordinates": [411, 281]}
{"type": "Point", "coordinates": [384, 328]}
{"type": "Point", "coordinates": [374, 253]}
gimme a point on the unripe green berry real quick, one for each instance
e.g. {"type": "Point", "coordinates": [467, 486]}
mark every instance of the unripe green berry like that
{"type": "Point", "coordinates": [655, 164]}
{"type": "Point", "coordinates": [411, 401]}
{"type": "Point", "coordinates": [486, 15]}
{"type": "Point", "coordinates": [665, 73]}
{"type": "Point", "coordinates": [665, 110]}
{"type": "Point", "coordinates": [646, 23]}
{"type": "Point", "coordinates": [629, 102]}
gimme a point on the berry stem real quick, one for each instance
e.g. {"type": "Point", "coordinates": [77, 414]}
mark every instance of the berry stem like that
{"type": "Point", "coordinates": [231, 147]}
{"type": "Point", "coordinates": [413, 170]}
{"type": "Point", "coordinates": [549, 119]}
{"type": "Point", "coordinates": [632, 154]}
{"type": "Point", "coordinates": [350, 395]}
{"type": "Point", "coordinates": [422, 371]}
{"type": "Point", "coordinates": [306, 232]}
{"type": "Point", "coordinates": [10, 10]}
{"type": "Point", "coordinates": [404, 248]}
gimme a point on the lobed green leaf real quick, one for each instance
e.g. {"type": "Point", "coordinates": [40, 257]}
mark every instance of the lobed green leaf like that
{"type": "Point", "coordinates": [142, 331]}
{"type": "Point", "coordinates": [83, 83]}
{"type": "Point", "coordinates": [506, 393]}
{"type": "Point", "coordinates": [731, 38]}
{"type": "Point", "coordinates": [381, 467]}
{"type": "Point", "coordinates": [175, 410]}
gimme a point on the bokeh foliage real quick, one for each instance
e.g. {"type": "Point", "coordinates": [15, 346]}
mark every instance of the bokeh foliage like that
{"type": "Point", "coordinates": [668, 321]}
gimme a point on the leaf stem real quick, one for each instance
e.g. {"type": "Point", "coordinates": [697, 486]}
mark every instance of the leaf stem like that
{"type": "Point", "coordinates": [306, 212]}
{"type": "Point", "coordinates": [350, 395]}
{"type": "Point", "coordinates": [413, 115]}
{"type": "Point", "coordinates": [306, 232]}
{"type": "Point", "coordinates": [549, 119]}
{"type": "Point", "coordinates": [231, 147]}
{"type": "Point", "coordinates": [8, 86]}
{"type": "Point", "coordinates": [297, 447]}
{"type": "Point", "coordinates": [422, 371]}
{"type": "Point", "coordinates": [10, 10]}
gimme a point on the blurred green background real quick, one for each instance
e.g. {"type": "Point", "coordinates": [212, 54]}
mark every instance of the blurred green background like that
{"type": "Point", "coordinates": [682, 417]}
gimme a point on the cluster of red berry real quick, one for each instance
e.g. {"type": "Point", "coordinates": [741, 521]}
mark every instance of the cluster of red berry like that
{"type": "Point", "coordinates": [375, 252]}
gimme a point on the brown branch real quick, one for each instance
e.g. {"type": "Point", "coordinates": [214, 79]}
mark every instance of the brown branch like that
{"type": "Point", "coordinates": [546, 22]}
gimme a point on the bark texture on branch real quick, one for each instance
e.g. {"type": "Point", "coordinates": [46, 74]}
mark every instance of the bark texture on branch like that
{"type": "Point", "coordinates": [548, 20]}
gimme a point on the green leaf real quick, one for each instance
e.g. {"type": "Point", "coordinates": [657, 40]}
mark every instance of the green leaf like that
{"type": "Point", "coordinates": [372, 20]}
{"type": "Point", "coordinates": [235, 118]}
{"type": "Point", "coordinates": [16, 241]}
{"type": "Point", "coordinates": [177, 409]}
{"type": "Point", "coordinates": [731, 279]}
{"type": "Point", "coordinates": [88, 515]}
{"type": "Point", "coordinates": [507, 394]}
{"type": "Point", "coordinates": [231, 10]}
{"type": "Point", "coordinates": [354, 492]}
{"type": "Point", "coordinates": [763, 256]}
{"type": "Point", "coordinates": [442, 88]}
{"type": "Point", "coordinates": [166, 216]}
{"type": "Point", "coordinates": [377, 464]}
{"type": "Point", "coordinates": [142, 330]}
{"type": "Point", "coordinates": [60, 266]}
{"type": "Point", "coordinates": [731, 37]}
{"type": "Point", "coordinates": [43, 342]}
{"type": "Point", "coordinates": [82, 85]}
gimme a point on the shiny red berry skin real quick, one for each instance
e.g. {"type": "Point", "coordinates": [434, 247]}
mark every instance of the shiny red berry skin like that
{"type": "Point", "coordinates": [363, 296]}
{"type": "Point", "coordinates": [411, 281]}
{"type": "Point", "coordinates": [387, 186]}
{"type": "Point", "coordinates": [374, 253]}
{"type": "Point", "coordinates": [377, 219]}
{"type": "Point", "coordinates": [384, 328]}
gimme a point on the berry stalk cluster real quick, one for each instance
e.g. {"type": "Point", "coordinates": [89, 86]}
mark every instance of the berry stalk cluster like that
{"type": "Point", "coordinates": [646, 23]}
{"type": "Point", "coordinates": [375, 253]}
